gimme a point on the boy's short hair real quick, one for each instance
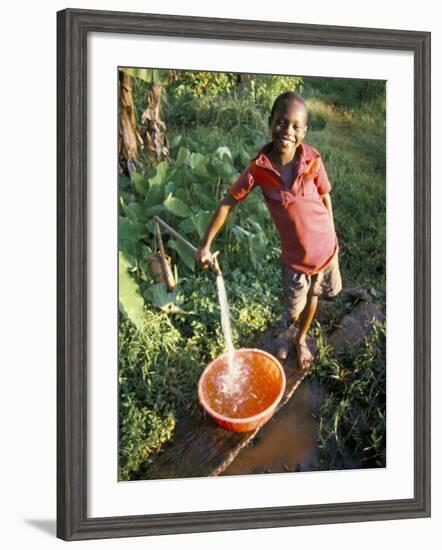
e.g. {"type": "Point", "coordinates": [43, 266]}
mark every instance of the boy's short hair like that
{"type": "Point", "coordinates": [286, 97]}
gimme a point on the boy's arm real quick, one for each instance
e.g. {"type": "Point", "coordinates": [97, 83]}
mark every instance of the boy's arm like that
{"type": "Point", "coordinates": [326, 199]}
{"type": "Point", "coordinates": [203, 254]}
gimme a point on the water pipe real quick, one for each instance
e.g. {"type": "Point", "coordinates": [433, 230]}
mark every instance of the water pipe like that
{"type": "Point", "coordinates": [213, 265]}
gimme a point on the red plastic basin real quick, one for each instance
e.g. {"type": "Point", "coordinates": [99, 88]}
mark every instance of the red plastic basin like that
{"type": "Point", "coordinates": [260, 387]}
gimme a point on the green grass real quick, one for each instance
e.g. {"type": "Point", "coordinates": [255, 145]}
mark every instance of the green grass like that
{"type": "Point", "coordinates": [352, 418]}
{"type": "Point", "coordinates": [161, 362]}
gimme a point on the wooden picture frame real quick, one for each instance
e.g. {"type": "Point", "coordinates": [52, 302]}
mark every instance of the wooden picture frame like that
{"type": "Point", "coordinates": [73, 28]}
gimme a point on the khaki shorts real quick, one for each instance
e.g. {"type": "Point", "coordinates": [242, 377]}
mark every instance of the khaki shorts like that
{"type": "Point", "coordinates": [297, 287]}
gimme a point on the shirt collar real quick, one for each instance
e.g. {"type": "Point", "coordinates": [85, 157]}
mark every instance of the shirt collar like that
{"type": "Point", "coordinates": [263, 160]}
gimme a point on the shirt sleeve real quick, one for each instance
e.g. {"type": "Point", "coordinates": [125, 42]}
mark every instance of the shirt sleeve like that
{"type": "Point", "coordinates": [243, 185]}
{"type": "Point", "coordinates": [321, 179]}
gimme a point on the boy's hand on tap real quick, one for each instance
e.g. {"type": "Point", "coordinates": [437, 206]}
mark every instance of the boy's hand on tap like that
{"type": "Point", "coordinates": [204, 257]}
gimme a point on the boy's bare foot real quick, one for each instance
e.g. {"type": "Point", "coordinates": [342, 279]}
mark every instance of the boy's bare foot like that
{"type": "Point", "coordinates": [303, 353]}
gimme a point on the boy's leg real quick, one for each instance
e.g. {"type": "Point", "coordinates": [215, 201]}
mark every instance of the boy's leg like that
{"type": "Point", "coordinates": [301, 294]}
{"type": "Point", "coordinates": [327, 283]}
{"type": "Point", "coordinates": [300, 306]}
{"type": "Point", "coordinates": [303, 352]}
{"type": "Point", "coordinates": [296, 289]}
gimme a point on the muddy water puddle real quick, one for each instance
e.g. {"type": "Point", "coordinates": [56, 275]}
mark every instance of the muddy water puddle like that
{"type": "Point", "coordinates": [287, 443]}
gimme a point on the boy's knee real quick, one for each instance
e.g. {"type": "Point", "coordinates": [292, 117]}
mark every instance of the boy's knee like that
{"type": "Point", "coordinates": [337, 287]}
{"type": "Point", "coordinates": [335, 290]}
{"type": "Point", "coordinates": [295, 310]}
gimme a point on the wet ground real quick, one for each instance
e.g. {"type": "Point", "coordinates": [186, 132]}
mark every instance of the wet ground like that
{"type": "Point", "coordinates": [287, 443]}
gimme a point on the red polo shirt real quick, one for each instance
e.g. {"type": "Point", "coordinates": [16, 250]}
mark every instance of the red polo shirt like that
{"type": "Point", "coordinates": [308, 241]}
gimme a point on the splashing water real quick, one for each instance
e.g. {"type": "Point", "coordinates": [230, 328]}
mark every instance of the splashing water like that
{"type": "Point", "coordinates": [225, 318]}
{"type": "Point", "coordinates": [229, 382]}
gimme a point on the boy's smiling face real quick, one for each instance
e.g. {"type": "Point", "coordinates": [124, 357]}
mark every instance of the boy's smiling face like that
{"type": "Point", "coordinates": [288, 127]}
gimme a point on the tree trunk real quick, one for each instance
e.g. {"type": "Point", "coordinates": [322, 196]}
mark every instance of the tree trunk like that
{"type": "Point", "coordinates": [155, 139]}
{"type": "Point", "coordinates": [128, 135]}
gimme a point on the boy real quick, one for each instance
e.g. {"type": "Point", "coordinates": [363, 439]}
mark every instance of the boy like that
{"type": "Point", "coordinates": [296, 189]}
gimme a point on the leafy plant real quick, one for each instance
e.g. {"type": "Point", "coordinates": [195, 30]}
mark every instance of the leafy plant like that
{"type": "Point", "coordinates": [130, 299]}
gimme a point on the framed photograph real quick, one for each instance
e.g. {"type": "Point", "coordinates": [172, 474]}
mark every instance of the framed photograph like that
{"type": "Point", "coordinates": [167, 125]}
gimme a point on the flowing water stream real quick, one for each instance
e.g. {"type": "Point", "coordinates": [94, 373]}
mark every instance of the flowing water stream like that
{"type": "Point", "coordinates": [230, 381]}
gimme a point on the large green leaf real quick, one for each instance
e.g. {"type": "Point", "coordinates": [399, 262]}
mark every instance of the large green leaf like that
{"type": "Point", "coordinates": [157, 294]}
{"type": "Point", "coordinates": [170, 188]}
{"type": "Point", "coordinates": [133, 210]}
{"type": "Point", "coordinates": [201, 221]}
{"type": "Point", "coordinates": [175, 175]}
{"type": "Point", "coordinates": [129, 296]}
{"type": "Point", "coordinates": [140, 183]}
{"type": "Point", "coordinates": [160, 174]}
{"type": "Point", "coordinates": [129, 230]}
{"type": "Point", "coordinates": [129, 235]}
{"type": "Point", "coordinates": [221, 169]}
{"type": "Point", "coordinates": [185, 176]}
{"type": "Point", "coordinates": [183, 157]}
{"type": "Point", "coordinates": [186, 226]}
{"type": "Point", "coordinates": [155, 195]}
{"type": "Point", "coordinates": [204, 198]}
{"type": "Point", "coordinates": [198, 164]}
{"type": "Point", "coordinates": [184, 253]}
{"type": "Point", "coordinates": [177, 207]}
{"type": "Point", "coordinates": [223, 153]}
{"type": "Point", "coordinates": [182, 194]}
{"type": "Point", "coordinates": [151, 211]}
